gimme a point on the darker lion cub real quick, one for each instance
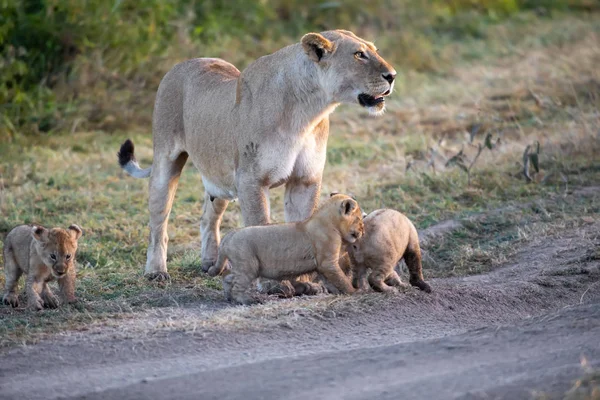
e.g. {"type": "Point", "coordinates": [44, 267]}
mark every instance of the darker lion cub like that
{"type": "Point", "coordinates": [44, 255]}
{"type": "Point", "coordinates": [285, 251]}
{"type": "Point", "coordinates": [389, 237]}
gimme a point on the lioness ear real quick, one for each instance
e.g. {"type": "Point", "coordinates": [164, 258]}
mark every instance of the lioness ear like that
{"type": "Point", "coordinates": [75, 231]}
{"type": "Point", "coordinates": [39, 233]}
{"type": "Point", "coordinates": [347, 206]}
{"type": "Point", "coordinates": [316, 46]}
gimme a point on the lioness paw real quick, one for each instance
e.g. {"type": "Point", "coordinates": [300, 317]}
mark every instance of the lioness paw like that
{"type": "Point", "coordinates": [161, 276]}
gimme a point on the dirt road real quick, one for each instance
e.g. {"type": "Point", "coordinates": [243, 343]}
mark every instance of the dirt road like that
{"type": "Point", "coordinates": [519, 330]}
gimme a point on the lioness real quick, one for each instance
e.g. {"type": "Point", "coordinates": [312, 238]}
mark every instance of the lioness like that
{"type": "Point", "coordinates": [389, 237]}
{"type": "Point", "coordinates": [277, 109]}
{"type": "Point", "coordinates": [44, 255]}
{"type": "Point", "coordinates": [284, 251]}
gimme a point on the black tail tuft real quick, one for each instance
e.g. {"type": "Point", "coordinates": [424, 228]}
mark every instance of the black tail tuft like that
{"type": "Point", "coordinates": [125, 154]}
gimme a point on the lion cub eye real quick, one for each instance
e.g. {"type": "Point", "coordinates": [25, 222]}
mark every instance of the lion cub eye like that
{"type": "Point", "coordinates": [360, 54]}
{"type": "Point", "coordinates": [68, 257]}
{"type": "Point", "coordinates": [53, 257]}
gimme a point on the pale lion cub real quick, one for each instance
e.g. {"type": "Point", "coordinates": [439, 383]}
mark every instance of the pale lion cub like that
{"type": "Point", "coordinates": [389, 237]}
{"type": "Point", "coordinates": [285, 251]}
{"type": "Point", "coordinates": [44, 255]}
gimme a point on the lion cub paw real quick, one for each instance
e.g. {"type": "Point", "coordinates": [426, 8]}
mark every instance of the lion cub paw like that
{"type": "Point", "coordinates": [36, 304]}
{"type": "Point", "coordinates": [50, 301]}
{"type": "Point", "coordinates": [11, 299]}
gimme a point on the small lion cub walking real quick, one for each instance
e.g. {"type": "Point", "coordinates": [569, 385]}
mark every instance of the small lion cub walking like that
{"type": "Point", "coordinates": [285, 251]}
{"type": "Point", "coordinates": [44, 255]}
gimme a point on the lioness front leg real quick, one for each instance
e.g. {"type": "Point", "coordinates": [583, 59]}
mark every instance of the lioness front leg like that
{"type": "Point", "coordinates": [212, 213]}
{"type": "Point", "coordinates": [33, 290]}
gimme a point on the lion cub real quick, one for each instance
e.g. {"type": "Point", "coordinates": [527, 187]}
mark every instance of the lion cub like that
{"type": "Point", "coordinates": [389, 237]}
{"type": "Point", "coordinates": [44, 255]}
{"type": "Point", "coordinates": [285, 251]}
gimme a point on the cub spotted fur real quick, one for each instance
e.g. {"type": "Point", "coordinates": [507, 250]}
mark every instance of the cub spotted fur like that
{"type": "Point", "coordinates": [43, 255]}
{"type": "Point", "coordinates": [285, 251]}
{"type": "Point", "coordinates": [389, 237]}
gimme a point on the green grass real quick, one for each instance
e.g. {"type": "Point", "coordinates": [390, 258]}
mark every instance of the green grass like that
{"type": "Point", "coordinates": [59, 179]}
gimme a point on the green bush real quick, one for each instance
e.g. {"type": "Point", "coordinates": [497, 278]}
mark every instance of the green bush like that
{"type": "Point", "coordinates": [63, 59]}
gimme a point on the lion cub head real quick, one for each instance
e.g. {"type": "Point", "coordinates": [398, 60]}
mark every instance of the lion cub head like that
{"type": "Point", "coordinates": [347, 216]}
{"type": "Point", "coordinates": [57, 247]}
{"type": "Point", "coordinates": [350, 69]}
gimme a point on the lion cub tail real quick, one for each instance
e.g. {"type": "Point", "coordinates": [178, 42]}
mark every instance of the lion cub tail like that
{"type": "Point", "coordinates": [128, 162]}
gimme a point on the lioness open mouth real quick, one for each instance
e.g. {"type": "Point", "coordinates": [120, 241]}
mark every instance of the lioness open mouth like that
{"type": "Point", "coordinates": [366, 100]}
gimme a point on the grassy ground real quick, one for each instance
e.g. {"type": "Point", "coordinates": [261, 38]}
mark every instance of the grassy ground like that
{"type": "Point", "coordinates": [542, 87]}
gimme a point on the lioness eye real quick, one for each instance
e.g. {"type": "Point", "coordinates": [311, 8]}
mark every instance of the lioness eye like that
{"type": "Point", "coordinates": [360, 54]}
{"type": "Point", "coordinates": [68, 257]}
{"type": "Point", "coordinates": [53, 257]}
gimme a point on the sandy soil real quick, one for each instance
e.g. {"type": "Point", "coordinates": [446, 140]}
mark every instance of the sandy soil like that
{"type": "Point", "coordinates": [519, 330]}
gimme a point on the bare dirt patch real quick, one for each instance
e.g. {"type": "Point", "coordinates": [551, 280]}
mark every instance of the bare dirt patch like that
{"type": "Point", "coordinates": [547, 274]}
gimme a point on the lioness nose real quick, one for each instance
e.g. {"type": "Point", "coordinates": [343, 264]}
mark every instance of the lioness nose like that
{"type": "Point", "coordinates": [389, 76]}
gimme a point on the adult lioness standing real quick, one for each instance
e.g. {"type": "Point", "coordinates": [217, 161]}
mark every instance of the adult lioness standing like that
{"type": "Point", "coordinates": [251, 131]}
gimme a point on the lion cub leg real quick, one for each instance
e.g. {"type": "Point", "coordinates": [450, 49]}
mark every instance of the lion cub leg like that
{"type": "Point", "coordinates": [238, 283]}
{"type": "Point", "coordinates": [337, 278]}
{"type": "Point", "coordinates": [394, 279]}
{"type": "Point", "coordinates": [66, 285]}
{"type": "Point", "coordinates": [50, 300]}
{"type": "Point", "coordinates": [12, 274]}
{"type": "Point", "coordinates": [33, 289]}
{"type": "Point", "coordinates": [377, 280]}
{"type": "Point", "coordinates": [359, 279]}
{"type": "Point", "coordinates": [412, 257]}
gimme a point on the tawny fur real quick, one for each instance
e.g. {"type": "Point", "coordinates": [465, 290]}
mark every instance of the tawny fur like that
{"type": "Point", "coordinates": [43, 255]}
{"type": "Point", "coordinates": [389, 237]}
{"type": "Point", "coordinates": [285, 251]}
{"type": "Point", "coordinates": [277, 109]}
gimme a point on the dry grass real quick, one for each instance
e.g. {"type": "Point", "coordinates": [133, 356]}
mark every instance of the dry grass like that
{"type": "Point", "coordinates": [546, 89]}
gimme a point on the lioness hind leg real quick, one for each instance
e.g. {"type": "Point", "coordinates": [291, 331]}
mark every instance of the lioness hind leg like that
{"type": "Point", "coordinates": [12, 273]}
{"type": "Point", "coordinates": [210, 222]}
{"type": "Point", "coordinates": [163, 184]}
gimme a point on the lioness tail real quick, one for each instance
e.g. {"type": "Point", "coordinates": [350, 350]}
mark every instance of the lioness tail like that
{"type": "Point", "coordinates": [128, 162]}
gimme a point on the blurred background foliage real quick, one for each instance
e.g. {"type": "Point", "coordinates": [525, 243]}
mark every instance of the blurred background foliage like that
{"type": "Point", "coordinates": [96, 64]}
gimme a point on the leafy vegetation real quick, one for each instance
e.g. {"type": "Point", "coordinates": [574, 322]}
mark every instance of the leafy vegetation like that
{"type": "Point", "coordinates": [69, 64]}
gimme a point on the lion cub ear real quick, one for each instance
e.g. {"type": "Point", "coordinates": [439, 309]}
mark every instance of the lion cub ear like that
{"type": "Point", "coordinates": [39, 233]}
{"type": "Point", "coordinates": [316, 46]}
{"type": "Point", "coordinates": [348, 206]}
{"type": "Point", "coordinates": [75, 231]}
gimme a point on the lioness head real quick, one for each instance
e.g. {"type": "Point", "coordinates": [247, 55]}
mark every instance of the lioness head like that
{"type": "Point", "coordinates": [350, 69]}
{"type": "Point", "coordinates": [350, 223]}
{"type": "Point", "coordinates": [57, 247]}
